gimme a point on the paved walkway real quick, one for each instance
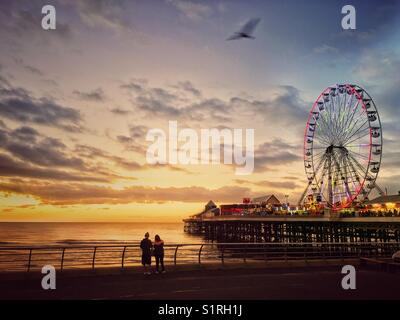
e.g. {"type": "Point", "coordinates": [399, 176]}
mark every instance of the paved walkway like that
{"type": "Point", "coordinates": [232, 283]}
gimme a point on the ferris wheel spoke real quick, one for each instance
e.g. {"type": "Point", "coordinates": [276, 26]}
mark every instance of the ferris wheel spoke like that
{"type": "Point", "coordinates": [361, 128]}
{"type": "Point", "coordinates": [360, 136]}
{"type": "Point", "coordinates": [319, 154]}
{"type": "Point", "coordinates": [359, 166]}
{"type": "Point", "coordinates": [322, 147]}
{"type": "Point", "coordinates": [335, 109]}
{"type": "Point", "coordinates": [360, 157]}
{"type": "Point", "coordinates": [343, 114]}
{"type": "Point", "coordinates": [319, 160]}
{"type": "Point", "coordinates": [324, 128]}
{"type": "Point", "coordinates": [361, 145]}
{"type": "Point", "coordinates": [349, 119]}
{"type": "Point", "coordinates": [354, 125]}
{"type": "Point", "coordinates": [354, 175]}
{"type": "Point", "coordinates": [354, 172]}
{"type": "Point", "coordinates": [349, 115]}
{"type": "Point", "coordinates": [346, 182]}
{"type": "Point", "coordinates": [322, 136]}
{"type": "Point", "coordinates": [323, 140]}
{"type": "Point", "coordinates": [320, 180]}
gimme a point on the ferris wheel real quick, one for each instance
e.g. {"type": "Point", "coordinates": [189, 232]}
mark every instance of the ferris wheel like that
{"type": "Point", "coordinates": [342, 147]}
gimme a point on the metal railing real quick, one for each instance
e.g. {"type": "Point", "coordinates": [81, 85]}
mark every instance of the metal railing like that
{"type": "Point", "coordinates": [97, 256]}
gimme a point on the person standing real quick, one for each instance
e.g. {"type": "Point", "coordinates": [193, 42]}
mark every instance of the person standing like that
{"type": "Point", "coordinates": [146, 247]}
{"type": "Point", "coordinates": [159, 253]}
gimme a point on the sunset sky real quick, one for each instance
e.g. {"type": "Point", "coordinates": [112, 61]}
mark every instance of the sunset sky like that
{"type": "Point", "coordinates": [76, 102]}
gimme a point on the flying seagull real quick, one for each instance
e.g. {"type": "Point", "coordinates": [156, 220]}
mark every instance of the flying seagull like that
{"type": "Point", "coordinates": [246, 31]}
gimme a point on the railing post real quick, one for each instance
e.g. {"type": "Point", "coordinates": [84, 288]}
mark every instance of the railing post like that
{"type": "Point", "coordinates": [62, 259]}
{"type": "Point", "coordinates": [201, 248]}
{"type": "Point", "coordinates": [123, 257]}
{"type": "Point", "coordinates": [222, 255]}
{"type": "Point", "coordinates": [30, 259]}
{"type": "Point", "coordinates": [176, 251]}
{"type": "Point", "coordinates": [94, 257]}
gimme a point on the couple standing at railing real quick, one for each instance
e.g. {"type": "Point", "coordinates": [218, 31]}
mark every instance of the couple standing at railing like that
{"type": "Point", "coordinates": [149, 249]}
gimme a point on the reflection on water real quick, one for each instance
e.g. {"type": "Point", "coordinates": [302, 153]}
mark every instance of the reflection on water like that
{"type": "Point", "coordinates": [26, 233]}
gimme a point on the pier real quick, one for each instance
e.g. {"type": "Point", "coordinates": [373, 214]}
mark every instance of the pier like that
{"type": "Point", "coordinates": [285, 228]}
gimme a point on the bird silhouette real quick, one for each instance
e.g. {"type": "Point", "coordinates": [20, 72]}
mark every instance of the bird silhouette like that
{"type": "Point", "coordinates": [246, 31]}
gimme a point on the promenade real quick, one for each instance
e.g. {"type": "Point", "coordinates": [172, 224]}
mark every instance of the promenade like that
{"type": "Point", "coordinates": [286, 281]}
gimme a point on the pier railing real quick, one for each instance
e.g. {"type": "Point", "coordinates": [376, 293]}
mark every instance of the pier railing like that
{"type": "Point", "coordinates": [123, 256]}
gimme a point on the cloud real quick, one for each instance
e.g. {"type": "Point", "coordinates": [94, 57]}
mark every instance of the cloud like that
{"type": "Point", "coordinates": [188, 87]}
{"type": "Point", "coordinates": [27, 67]}
{"type": "Point", "coordinates": [19, 105]}
{"type": "Point", "coordinates": [120, 112]}
{"type": "Point", "coordinates": [379, 69]}
{"type": "Point", "coordinates": [48, 152]}
{"type": "Point", "coordinates": [269, 184]}
{"type": "Point", "coordinates": [78, 193]}
{"type": "Point", "coordinates": [284, 106]}
{"type": "Point", "coordinates": [92, 153]}
{"type": "Point", "coordinates": [390, 183]}
{"type": "Point", "coordinates": [21, 21]}
{"type": "Point", "coordinates": [391, 160]}
{"type": "Point", "coordinates": [136, 85]}
{"type": "Point", "coordinates": [39, 153]}
{"type": "Point", "coordinates": [136, 139]}
{"type": "Point", "coordinates": [12, 168]}
{"type": "Point", "coordinates": [192, 10]}
{"type": "Point", "coordinates": [94, 95]}
{"type": "Point", "coordinates": [275, 153]}
{"type": "Point", "coordinates": [25, 134]}
{"type": "Point", "coordinates": [377, 25]}
{"type": "Point", "coordinates": [43, 112]}
{"type": "Point", "coordinates": [325, 49]}
{"type": "Point", "coordinates": [96, 153]}
{"type": "Point", "coordinates": [105, 14]}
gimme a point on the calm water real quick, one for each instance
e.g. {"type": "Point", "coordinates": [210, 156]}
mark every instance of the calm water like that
{"type": "Point", "coordinates": [23, 233]}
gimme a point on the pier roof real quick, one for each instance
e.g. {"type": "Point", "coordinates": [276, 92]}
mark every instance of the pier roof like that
{"type": "Point", "coordinates": [385, 199]}
{"type": "Point", "coordinates": [267, 199]}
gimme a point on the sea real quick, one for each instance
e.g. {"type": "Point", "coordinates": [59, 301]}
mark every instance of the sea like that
{"type": "Point", "coordinates": [88, 233]}
{"type": "Point", "coordinates": [30, 245]}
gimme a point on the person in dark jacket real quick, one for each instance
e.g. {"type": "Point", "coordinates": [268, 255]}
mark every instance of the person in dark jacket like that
{"type": "Point", "coordinates": [146, 247]}
{"type": "Point", "coordinates": [159, 253]}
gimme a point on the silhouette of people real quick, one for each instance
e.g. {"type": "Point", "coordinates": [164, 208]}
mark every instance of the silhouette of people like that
{"type": "Point", "coordinates": [146, 247]}
{"type": "Point", "coordinates": [159, 253]}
